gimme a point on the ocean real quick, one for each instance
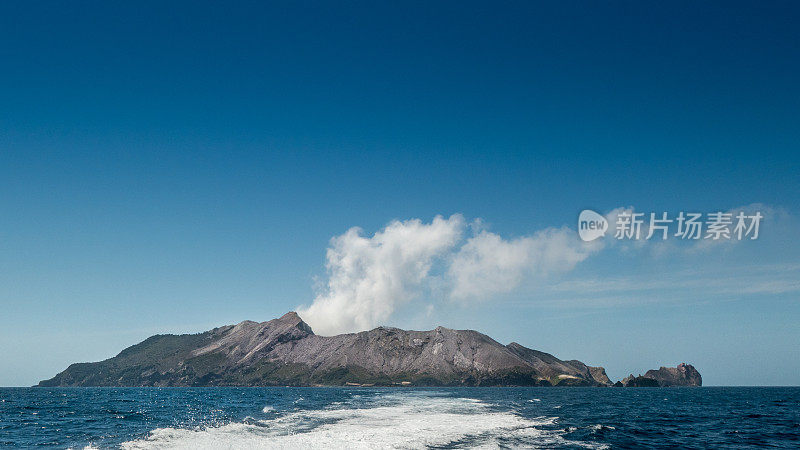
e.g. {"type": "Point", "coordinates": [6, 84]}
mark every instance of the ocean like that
{"type": "Point", "coordinates": [438, 418]}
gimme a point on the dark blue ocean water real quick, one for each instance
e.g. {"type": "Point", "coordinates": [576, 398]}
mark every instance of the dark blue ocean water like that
{"type": "Point", "coordinates": [400, 417]}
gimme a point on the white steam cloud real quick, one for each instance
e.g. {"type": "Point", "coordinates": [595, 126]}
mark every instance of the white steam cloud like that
{"type": "Point", "coordinates": [488, 264]}
{"type": "Point", "coordinates": [369, 277]}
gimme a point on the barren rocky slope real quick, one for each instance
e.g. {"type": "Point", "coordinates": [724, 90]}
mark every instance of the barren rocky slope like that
{"type": "Point", "coordinates": [285, 351]}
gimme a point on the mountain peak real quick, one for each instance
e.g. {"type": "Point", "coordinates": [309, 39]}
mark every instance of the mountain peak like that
{"type": "Point", "coordinates": [291, 315]}
{"type": "Point", "coordinates": [293, 319]}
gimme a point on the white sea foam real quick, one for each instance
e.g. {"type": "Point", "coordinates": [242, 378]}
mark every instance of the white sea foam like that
{"type": "Point", "coordinates": [389, 421]}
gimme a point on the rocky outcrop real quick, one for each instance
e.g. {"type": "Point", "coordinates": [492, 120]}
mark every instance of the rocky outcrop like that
{"type": "Point", "coordinates": [599, 374]}
{"type": "Point", "coordinates": [640, 381]}
{"type": "Point", "coordinates": [683, 375]}
{"type": "Point", "coordinates": [286, 351]}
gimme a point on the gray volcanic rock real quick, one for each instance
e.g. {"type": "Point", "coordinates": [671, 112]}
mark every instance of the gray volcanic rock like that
{"type": "Point", "coordinates": [683, 375]}
{"type": "Point", "coordinates": [286, 351]}
{"type": "Point", "coordinates": [599, 374]}
{"type": "Point", "coordinates": [640, 381]}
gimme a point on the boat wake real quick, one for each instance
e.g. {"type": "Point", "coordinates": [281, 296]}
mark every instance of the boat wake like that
{"type": "Point", "coordinates": [388, 420]}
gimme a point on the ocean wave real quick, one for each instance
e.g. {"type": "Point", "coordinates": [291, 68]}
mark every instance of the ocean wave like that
{"type": "Point", "coordinates": [387, 421]}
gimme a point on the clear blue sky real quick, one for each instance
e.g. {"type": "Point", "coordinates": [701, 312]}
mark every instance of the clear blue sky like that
{"type": "Point", "coordinates": [175, 167]}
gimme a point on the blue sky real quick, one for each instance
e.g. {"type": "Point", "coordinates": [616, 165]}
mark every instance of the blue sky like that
{"type": "Point", "coordinates": [172, 168]}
